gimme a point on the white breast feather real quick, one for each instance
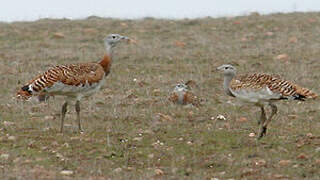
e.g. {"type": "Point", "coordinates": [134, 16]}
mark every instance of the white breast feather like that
{"type": "Point", "coordinates": [255, 96]}
{"type": "Point", "coordinates": [60, 88]}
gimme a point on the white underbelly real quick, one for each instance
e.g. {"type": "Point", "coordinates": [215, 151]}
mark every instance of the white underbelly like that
{"type": "Point", "coordinates": [256, 96]}
{"type": "Point", "coordinates": [79, 91]}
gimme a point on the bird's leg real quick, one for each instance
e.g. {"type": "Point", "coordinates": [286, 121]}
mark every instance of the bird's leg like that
{"type": "Point", "coordinates": [262, 116]}
{"type": "Point", "coordinates": [78, 115]}
{"type": "Point", "coordinates": [274, 110]}
{"type": "Point", "coordinates": [63, 114]}
{"type": "Point", "coordinates": [261, 122]}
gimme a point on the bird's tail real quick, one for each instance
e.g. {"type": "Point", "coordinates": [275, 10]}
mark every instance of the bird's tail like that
{"type": "Point", "coordinates": [306, 93]}
{"type": "Point", "coordinates": [24, 93]}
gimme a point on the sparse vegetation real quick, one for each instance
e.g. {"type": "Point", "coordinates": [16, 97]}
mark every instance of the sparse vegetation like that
{"type": "Point", "coordinates": [131, 130]}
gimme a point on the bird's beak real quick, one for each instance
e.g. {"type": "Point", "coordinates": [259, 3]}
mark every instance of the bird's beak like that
{"type": "Point", "coordinates": [129, 40]}
{"type": "Point", "coordinates": [219, 68]}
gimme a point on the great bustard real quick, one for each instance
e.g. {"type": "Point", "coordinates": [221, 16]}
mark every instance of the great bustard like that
{"type": "Point", "coordinates": [261, 90]}
{"type": "Point", "coordinates": [74, 81]}
{"type": "Point", "coordinates": [182, 95]}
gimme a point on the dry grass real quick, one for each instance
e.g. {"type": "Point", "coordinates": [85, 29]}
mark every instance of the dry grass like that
{"type": "Point", "coordinates": [125, 137]}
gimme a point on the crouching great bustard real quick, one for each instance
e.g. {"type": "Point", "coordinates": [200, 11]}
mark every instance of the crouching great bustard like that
{"type": "Point", "coordinates": [261, 90]}
{"type": "Point", "coordinates": [182, 95]}
{"type": "Point", "coordinates": [74, 81]}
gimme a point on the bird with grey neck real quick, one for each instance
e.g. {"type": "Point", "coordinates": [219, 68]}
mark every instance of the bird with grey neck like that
{"type": "Point", "coordinates": [261, 90]}
{"type": "Point", "coordinates": [73, 81]}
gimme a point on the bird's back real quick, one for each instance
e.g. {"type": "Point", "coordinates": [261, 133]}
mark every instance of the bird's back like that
{"type": "Point", "coordinates": [70, 80]}
{"type": "Point", "coordinates": [268, 87]}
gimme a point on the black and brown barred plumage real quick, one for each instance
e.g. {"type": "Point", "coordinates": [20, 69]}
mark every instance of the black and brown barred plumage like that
{"type": "Point", "coordinates": [74, 81]}
{"type": "Point", "coordinates": [261, 90]}
{"type": "Point", "coordinates": [286, 89]}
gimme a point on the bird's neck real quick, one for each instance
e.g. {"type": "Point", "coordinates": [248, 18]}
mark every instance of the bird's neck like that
{"type": "Point", "coordinates": [226, 83]}
{"type": "Point", "coordinates": [107, 60]}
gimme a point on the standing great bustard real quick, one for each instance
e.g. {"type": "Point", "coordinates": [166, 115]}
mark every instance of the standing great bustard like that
{"type": "Point", "coordinates": [261, 90]}
{"type": "Point", "coordinates": [74, 81]}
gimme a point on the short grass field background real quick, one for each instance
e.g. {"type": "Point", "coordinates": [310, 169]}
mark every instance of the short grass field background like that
{"type": "Point", "coordinates": [131, 130]}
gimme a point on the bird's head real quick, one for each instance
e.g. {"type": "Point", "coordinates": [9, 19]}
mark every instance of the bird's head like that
{"type": "Point", "coordinates": [227, 69]}
{"type": "Point", "coordinates": [181, 87]}
{"type": "Point", "coordinates": [113, 39]}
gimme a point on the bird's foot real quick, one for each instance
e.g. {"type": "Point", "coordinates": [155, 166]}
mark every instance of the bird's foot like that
{"type": "Point", "coordinates": [263, 132]}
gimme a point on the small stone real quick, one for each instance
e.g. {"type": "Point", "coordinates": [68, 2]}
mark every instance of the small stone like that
{"type": "Point", "coordinates": [295, 166]}
{"type": "Point", "coordinates": [58, 35]}
{"type": "Point", "coordinates": [318, 161]}
{"type": "Point", "coordinates": [89, 31]}
{"type": "Point", "coordinates": [164, 117]}
{"type": "Point", "coordinates": [124, 24]}
{"type": "Point", "coordinates": [312, 20]}
{"type": "Point", "coordinates": [292, 116]}
{"type": "Point", "coordinates": [174, 170]}
{"type": "Point", "coordinates": [117, 170]}
{"type": "Point", "coordinates": [252, 134]}
{"type": "Point", "coordinates": [318, 149]}
{"type": "Point", "coordinates": [302, 156]}
{"type": "Point", "coordinates": [150, 156]}
{"type": "Point", "coordinates": [137, 138]}
{"type": "Point", "coordinates": [247, 172]}
{"type": "Point", "coordinates": [4, 156]}
{"type": "Point", "coordinates": [12, 138]}
{"type": "Point", "coordinates": [309, 135]}
{"type": "Point", "coordinates": [293, 39]}
{"type": "Point", "coordinates": [54, 143]}
{"type": "Point", "coordinates": [8, 123]}
{"type": "Point", "coordinates": [244, 39]}
{"type": "Point", "coordinates": [189, 170]}
{"type": "Point", "coordinates": [158, 172]}
{"type": "Point", "coordinates": [221, 117]}
{"type": "Point", "coordinates": [284, 162]}
{"type": "Point", "coordinates": [261, 162]}
{"type": "Point", "coordinates": [180, 44]}
{"type": "Point", "coordinates": [269, 33]}
{"type": "Point", "coordinates": [236, 22]}
{"type": "Point", "coordinates": [156, 92]}
{"type": "Point", "coordinates": [48, 118]}
{"type": "Point", "coordinates": [58, 155]}
{"type": "Point", "coordinates": [279, 176]}
{"type": "Point", "coordinates": [242, 120]}
{"type": "Point", "coordinates": [66, 172]}
{"type": "Point", "coordinates": [282, 57]}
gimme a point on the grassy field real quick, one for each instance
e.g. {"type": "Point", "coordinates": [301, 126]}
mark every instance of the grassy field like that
{"type": "Point", "coordinates": [131, 130]}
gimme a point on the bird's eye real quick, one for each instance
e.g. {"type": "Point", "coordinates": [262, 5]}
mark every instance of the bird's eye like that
{"type": "Point", "coordinates": [113, 37]}
{"type": "Point", "coordinates": [226, 67]}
